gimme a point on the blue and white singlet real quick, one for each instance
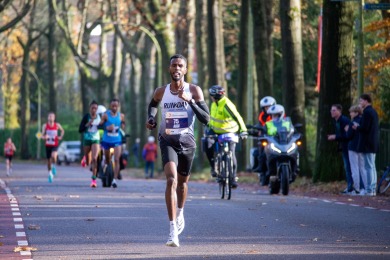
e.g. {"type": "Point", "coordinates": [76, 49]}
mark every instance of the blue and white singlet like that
{"type": "Point", "coordinates": [177, 120]}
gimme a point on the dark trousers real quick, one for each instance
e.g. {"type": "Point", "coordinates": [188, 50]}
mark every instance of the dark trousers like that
{"type": "Point", "coordinates": [347, 168]}
{"type": "Point", "coordinates": [210, 151]}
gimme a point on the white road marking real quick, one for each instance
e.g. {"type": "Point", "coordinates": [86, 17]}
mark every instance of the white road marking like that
{"type": "Point", "coordinates": [20, 234]}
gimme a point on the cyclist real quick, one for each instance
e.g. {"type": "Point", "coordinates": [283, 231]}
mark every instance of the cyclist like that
{"type": "Point", "coordinates": [112, 120]}
{"type": "Point", "coordinates": [89, 128]}
{"type": "Point", "coordinates": [180, 102]}
{"type": "Point", "coordinates": [9, 150]}
{"type": "Point", "coordinates": [50, 135]}
{"type": "Point", "coordinates": [224, 118]}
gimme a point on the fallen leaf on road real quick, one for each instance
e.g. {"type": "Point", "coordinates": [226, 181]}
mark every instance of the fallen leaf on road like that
{"type": "Point", "coordinates": [1, 244]}
{"type": "Point", "coordinates": [251, 209]}
{"type": "Point", "coordinates": [97, 206]}
{"type": "Point", "coordinates": [38, 197]}
{"type": "Point", "coordinates": [34, 227]}
{"type": "Point", "coordinates": [1, 236]}
{"type": "Point", "coordinates": [263, 225]}
{"type": "Point", "coordinates": [24, 248]}
{"type": "Point", "coordinates": [303, 225]}
{"type": "Point", "coordinates": [90, 219]}
{"type": "Point", "coordinates": [28, 214]}
{"type": "Point", "coordinates": [339, 240]}
{"type": "Point", "coordinates": [252, 252]}
{"type": "Point", "coordinates": [74, 196]}
{"type": "Point", "coordinates": [315, 239]}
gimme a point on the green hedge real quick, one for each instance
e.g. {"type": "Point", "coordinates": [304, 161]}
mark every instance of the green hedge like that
{"type": "Point", "coordinates": [71, 133]}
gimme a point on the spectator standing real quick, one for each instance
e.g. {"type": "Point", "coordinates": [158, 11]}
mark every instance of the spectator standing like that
{"type": "Point", "coordinates": [340, 136]}
{"type": "Point", "coordinates": [355, 158]}
{"type": "Point", "coordinates": [368, 141]}
{"type": "Point", "coordinates": [149, 153]}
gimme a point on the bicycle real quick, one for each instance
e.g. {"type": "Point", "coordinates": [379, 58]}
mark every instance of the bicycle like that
{"type": "Point", "coordinates": [384, 182]}
{"type": "Point", "coordinates": [224, 161]}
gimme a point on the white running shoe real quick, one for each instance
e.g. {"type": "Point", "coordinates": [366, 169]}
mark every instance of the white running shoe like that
{"type": "Point", "coordinates": [173, 239]}
{"type": "Point", "coordinates": [180, 223]}
{"type": "Point", "coordinates": [113, 184]}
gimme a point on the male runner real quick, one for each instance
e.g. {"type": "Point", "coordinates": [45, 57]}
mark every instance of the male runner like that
{"type": "Point", "coordinates": [112, 120]}
{"type": "Point", "coordinates": [179, 103]}
{"type": "Point", "coordinates": [50, 135]}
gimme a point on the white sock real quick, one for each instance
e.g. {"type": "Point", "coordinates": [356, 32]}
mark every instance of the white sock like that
{"type": "Point", "coordinates": [180, 211]}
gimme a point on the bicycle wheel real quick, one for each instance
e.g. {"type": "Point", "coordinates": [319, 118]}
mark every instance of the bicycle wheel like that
{"type": "Point", "coordinates": [229, 163]}
{"type": "Point", "coordinates": [222, 182]}
{"type": "Point", "coordinates": [384, 183]}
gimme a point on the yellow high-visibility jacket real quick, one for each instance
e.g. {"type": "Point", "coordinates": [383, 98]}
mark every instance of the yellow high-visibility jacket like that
{"type": "Point", "coordinates": [224, 117]}
{"type": "Point", "coordinates": [272, 129]}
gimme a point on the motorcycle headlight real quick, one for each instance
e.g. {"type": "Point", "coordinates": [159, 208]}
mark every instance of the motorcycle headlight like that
{"type": "Point", "coordinates": [293, 146]}
{"type": "Point", "coordinates": [274, 148]}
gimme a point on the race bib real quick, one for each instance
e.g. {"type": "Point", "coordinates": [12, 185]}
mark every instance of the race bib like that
{"type": "Point", "coordinates": [114, 133]}
{"type": "Point", "coordinates": [51, 137]}
{"type": "Point", "coordinates": [176, 123]}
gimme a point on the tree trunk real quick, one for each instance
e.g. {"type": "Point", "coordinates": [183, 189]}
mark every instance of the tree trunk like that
{"type": "Point", "coordinates": [337, 55]}
{"type": "Point", "coordinates": [385, 16]}
{"type": "Point", "coordinates": [262, 39]}
{"type": "Point", "coordinates": [25, 101]}
{"type": "Point", "coordinates": [293, 78]}
{"type": "Point", "coordinates": [51, 56]}
{"type": "Point", "coordinates": [202, 66]}
{"type": "Point", "coordinates": [145, 84]}
{"type": "Point", "coordinates": [116, 67]}
{"type": "Point", "coordinates": [25, 87]}
{"type": "Point", "coordinates": [182, 29]}
{"type": "Point", "coordinates": [242, 82]}
{"type": "Point", "coordinates": [215, 46]}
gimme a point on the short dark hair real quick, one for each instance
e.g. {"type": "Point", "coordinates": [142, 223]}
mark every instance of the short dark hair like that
{"type": "Point", "coordinates": [366, 97]}
{"type": "Point", "coordinates": [178, 56]}
{"type": "Point", "coordinates": [114, 100]}
{"type": "Point", "coordinates": [93, 102]}
{"type": "Point", "coordinates": [338, 106]}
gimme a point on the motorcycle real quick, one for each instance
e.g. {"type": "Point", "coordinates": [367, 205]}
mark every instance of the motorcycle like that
{"type": "Point", "coordinates": [282, 155]}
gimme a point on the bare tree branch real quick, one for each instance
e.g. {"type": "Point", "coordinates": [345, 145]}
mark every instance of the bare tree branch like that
{"type": "Point", "coordinates": [19, 17]}
{"type": "Point", "coordinates": [64, 28]}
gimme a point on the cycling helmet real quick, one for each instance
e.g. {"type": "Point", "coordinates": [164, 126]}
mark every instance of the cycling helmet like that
{"type": "Point", "coordinates": [217, 92]}
{"type": "Point", "coordinates": [151, 139]}
{"type": "Point", "coordinates": [267, 101]}
{"type": "Point", "coordinates": [101, 109]}
{"type": "Point", "coordinates": [276, 110]}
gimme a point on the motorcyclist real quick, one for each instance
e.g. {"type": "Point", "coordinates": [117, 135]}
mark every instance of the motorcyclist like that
{"type": "Point", "coordinates": [277, 115]}
{"type": "Point", "coordinates": [265, 103]}
{"type": "Point", "coordinates": [224, 118]}
{"type": "Point", "coordinates": [258, 154]}
{"type": "Point", "coordinates": [271, 127]}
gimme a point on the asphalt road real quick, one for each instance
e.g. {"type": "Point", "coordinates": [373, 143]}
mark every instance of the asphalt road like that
{"type": "Point", "coordinates": [67, 219]}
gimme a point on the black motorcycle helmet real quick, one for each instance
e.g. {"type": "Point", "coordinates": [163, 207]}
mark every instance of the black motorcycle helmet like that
{"type": "Point", "coordinates": [217, 92]}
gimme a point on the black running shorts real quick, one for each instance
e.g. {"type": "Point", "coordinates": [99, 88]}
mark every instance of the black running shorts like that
{"type": "Point", "coordinates": [183, 158]}
{"type": "Point", "coordinates": [49, 150]}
